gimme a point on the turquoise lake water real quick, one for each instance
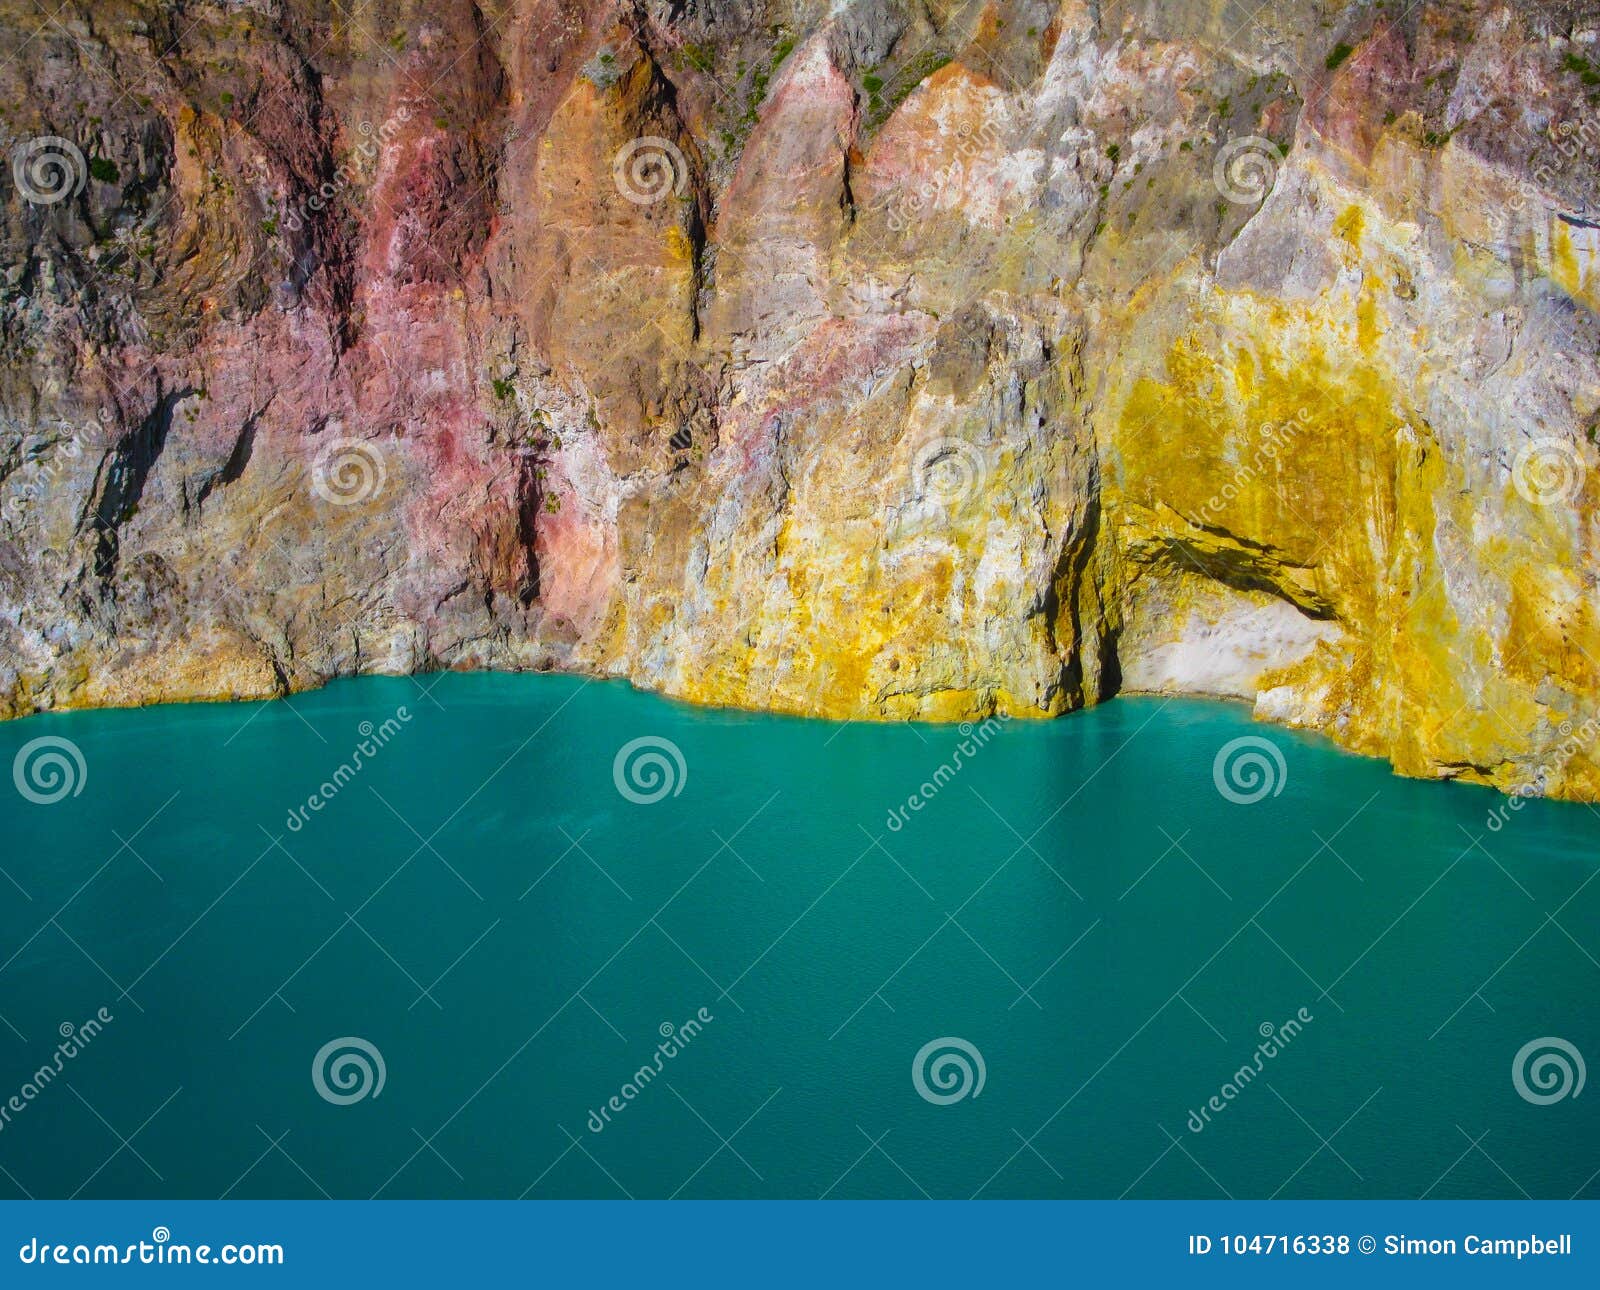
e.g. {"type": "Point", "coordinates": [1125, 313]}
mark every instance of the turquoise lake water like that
{"type": "Point", "coordinates": [1076, 901]}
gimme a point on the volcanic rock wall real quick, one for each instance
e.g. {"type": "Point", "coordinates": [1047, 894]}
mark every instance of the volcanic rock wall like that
{"type": "Point", "coordinates": [877, 359]}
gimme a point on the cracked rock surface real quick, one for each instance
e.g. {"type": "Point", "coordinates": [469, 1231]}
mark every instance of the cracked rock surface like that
{"type": "Point", "coordinates": [889, 359]}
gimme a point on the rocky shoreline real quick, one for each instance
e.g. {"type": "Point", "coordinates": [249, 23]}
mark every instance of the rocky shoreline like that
{"type": "Point", "coordinates": [874, 361]}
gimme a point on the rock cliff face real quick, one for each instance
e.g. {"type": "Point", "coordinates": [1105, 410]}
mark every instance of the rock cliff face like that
{"type": "Point", "coordinates": [886, 359]}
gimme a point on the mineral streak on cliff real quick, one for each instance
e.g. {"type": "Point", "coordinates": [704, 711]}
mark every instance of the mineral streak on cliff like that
{"type": "Point", "coordinates": [896, 358]}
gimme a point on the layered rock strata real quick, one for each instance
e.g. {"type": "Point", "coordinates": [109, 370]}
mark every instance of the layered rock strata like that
{"type": "Point", "coordinates": [887, 359]}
